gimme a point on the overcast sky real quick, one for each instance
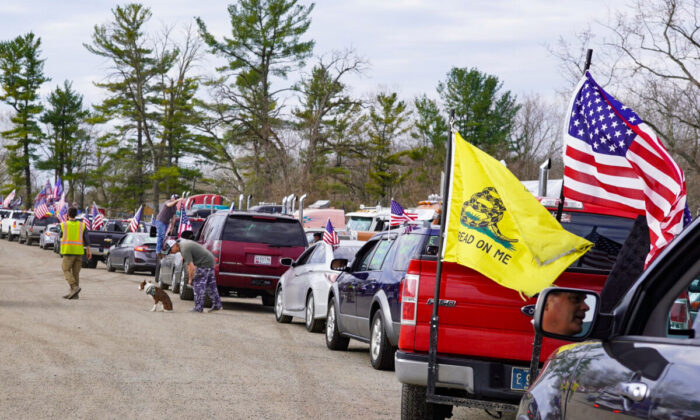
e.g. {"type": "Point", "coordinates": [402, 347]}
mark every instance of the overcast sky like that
{"type": "Point", "coordinates": [410, 44]}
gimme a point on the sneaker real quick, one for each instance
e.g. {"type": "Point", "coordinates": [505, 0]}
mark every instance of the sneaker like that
{"type": "Point", "coordinates": [195, 310]}
{"type": "Point", "coordinates": [73, 293]}
{"type": "Point", "coordinates": [215, 309]}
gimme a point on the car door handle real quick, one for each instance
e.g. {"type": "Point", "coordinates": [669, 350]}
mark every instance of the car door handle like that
{"type": "Point", "coordinates": [634, 391]}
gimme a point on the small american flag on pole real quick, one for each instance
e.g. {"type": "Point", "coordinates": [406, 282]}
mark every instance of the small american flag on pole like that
{"type": "Point", "coordinates": [97, 219]}
{"type": "Point", "coordinates": [41, 209]}
{"type": "Point", "coordinates": [399, 215]}
{"type": "Point", "coordinates": [613, 159]}
{"type": "Point", "coordinates": [136, 220]}
{"type": "Point", "coordinates": [330, 236]}
{"type": "Point", "coordinates": [184, 221]}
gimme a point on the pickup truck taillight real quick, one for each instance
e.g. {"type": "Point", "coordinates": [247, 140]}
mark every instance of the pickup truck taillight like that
{"type": "Point", "coordinates": [14, 225]}
{"type": "Point", "coordinates": [409, 299]}
{"type": "Point", "coordinates": [216, 250]}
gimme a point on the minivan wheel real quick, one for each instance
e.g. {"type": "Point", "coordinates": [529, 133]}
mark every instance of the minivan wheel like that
{"type": "Point", "coordinates": [415, 407]}
{"type": "Point", "coordinates": [334, 340]}
{"type": "Point", "coordinates": [279, 306]}
{"type": "Point", "coordinates": [312, 325]}
{"type": "Point", "coordinates": [381, 352]}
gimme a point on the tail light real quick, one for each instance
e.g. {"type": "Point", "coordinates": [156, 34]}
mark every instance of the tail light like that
{"type": "Point", "coordinates": [679, 314]}
{"type": "Point", "coordinates": [216, 250]}
{"type": "Point", "coordinates": [14, 225]}
{"type": "Point", "coordinates": [409, 299]}
{"type": "Point", "coordinates": [141, 248]}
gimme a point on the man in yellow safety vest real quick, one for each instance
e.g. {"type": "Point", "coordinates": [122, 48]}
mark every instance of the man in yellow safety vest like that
{"type": "Point", "coordinates": [74, 241]}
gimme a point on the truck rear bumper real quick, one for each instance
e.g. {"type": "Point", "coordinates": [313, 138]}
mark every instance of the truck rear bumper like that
{"type": "Point", "coordinates": [487, 380]}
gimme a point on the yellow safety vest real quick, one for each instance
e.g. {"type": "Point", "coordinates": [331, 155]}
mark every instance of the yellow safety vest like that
{"type": "Point", "coordinates": [72, 238]}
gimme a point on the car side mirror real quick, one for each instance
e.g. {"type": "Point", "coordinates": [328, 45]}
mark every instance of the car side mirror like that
{"type": "Point", "coordinates": [287, 261]}
{"type": "Point", "coordinates": [339, 264]}
{"type": "Point", "coordinates": [153, 232]}
{"type": "Point", "coordinates": [566, 314]}
{"type": "Point", "coordinates": [694, 286]}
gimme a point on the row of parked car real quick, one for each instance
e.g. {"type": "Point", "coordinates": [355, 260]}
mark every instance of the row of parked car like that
{"type": "Point", "coordinates": [381, 292]}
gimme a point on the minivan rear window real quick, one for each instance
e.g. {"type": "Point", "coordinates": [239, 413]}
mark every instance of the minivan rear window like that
{"type": "Point", "coordinates": [271, 231]}
{"type": "Point", "coordinates": [19, 216]}
{"type": "Point", "coordinates": [45, 221]}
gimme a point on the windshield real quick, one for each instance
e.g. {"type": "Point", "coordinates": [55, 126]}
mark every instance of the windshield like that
{"type": "Point", "coordinates": [45, 221]}
{"type": "Point", "coordinates": [359, 223]}
{"type": "Point", "coordinates": [607, 233]}
{"type": "Point", "coordinates": [272, 231]}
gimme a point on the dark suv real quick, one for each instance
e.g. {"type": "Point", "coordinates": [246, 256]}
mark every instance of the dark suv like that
{"type": "Point", "coordinates": [33, 228]}
{"type": "Point", "coordinates": [363, 303]}
{"type": "Point", "coordinates": [248, 247]}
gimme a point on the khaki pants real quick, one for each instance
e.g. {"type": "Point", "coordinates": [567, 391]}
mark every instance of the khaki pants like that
{"type": "Point", "coordinates": [71, 269]}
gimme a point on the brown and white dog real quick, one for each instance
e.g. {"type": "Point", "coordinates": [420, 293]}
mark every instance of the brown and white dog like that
{"type": "Point", "coordinates": [159, 296]}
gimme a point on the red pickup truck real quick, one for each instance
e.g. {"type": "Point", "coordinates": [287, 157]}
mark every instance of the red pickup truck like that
{"type": "Point", "coordinates": [485, 341]}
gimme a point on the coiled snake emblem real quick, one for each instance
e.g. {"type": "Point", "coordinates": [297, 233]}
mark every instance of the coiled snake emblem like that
{"type": "Point", "coordinates": [483, 211]}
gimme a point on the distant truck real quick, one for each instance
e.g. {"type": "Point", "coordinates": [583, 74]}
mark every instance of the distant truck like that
{"type": "Point", "coordinates": [485, 342]}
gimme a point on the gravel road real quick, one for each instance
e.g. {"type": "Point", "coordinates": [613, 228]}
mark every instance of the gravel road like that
{"type": "Point", "coordinates": [107, 356]}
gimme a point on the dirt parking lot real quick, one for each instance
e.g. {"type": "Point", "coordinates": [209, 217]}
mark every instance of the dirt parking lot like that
{"type": "Point", "coordinates": [107, 356]}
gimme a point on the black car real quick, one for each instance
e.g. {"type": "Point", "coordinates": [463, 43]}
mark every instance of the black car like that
{"type": "Point", "coordinates": [133, 252]}
{"type": "Point", "coordinates": [646, 358]}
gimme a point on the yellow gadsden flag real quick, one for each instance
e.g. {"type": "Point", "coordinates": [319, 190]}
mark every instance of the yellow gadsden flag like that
{"type": "Point", "coordinates": [498, 228]}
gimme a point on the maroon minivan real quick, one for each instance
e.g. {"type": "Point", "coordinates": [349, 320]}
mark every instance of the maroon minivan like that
{"type": "Point", "coordinates": [248, 247]}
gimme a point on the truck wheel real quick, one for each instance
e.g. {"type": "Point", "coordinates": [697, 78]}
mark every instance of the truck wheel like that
{"type": "Point", "coordinates": [268, 300]}
{"type": "Point", "coordinates": [186, 293]}
{"type": "Point", "coordinates": [92, 263]}
{"type": "Point", "coordinates": [312, 324]}
{"type": "Point", "coordinates": [381, 352]}
{"type": "Point", "coordinates": [175, 282]}
{"type": "Point", "coordinates": [110, 267]}
{"type": "Point", "coordinates": [9, 237]}
{"type": "Point", "coordinates": [279, 306]}
{"type": "Point", "coordinates": [334, 340]}
{"type": "Point", "coordinates": [128, 269]}
{"type": "Point", "coordinates": [415, 407]}
{"type": "Point", "coordinates": [28, 241]}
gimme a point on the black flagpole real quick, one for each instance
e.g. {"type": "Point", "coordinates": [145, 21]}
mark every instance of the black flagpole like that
{"type": "Point", "coordinates": [537, 344]}
{"type": "Point", "coordinates": [434, 320]}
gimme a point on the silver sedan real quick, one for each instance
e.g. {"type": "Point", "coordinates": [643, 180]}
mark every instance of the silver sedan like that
{"type": "Point", "coordinates": [302, 291]}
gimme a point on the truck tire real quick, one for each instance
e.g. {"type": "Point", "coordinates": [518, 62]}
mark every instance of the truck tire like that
{"type": "Point", "coordinates": [334, 340]}
{"type": "Point", "coordinates": [92, 263]}
{"type": "Point", "coordinates": [28, 241]}
{"type": "Point", "coordinates": [279, 306]}
{"type": "Point", "coordinates": [312, 324]}
{"type": "Point", "coordinates": [381, 352]}
{"type": "Point", "coordinates": [268, 300]}
{"type": "Point", "coordinates": [415, 407]}
{"type": "Point", "coordinates": [175, 283]}
{"type": "Point", "coordinates": [186, 293]}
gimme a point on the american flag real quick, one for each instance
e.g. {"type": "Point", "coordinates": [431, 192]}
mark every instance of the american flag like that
{"type": "Point", "coordinates": [41, 209]}
{"type": "Point", "coordinates": [612, 158]}
{"type": "Point", "coordinates": [136, 220]}
{"type": "Point", "coordinates": [184, 221]}
{"type": "Point", "coordinates": [97, 219]}
{"type": "Point", "coordinates": [57, 189]}
{"type": "Point", "coordinates": [604, 252]}
{"type": "Point", "coordinates": [330, 236]}
{"type": "Point", "coordinates": [43, 194]}
{"type": "Point", "coordinates": [87, 220]}
{"type": "Point", "coordinates": [399, 215]}
{"type": "Point", "coordinates": [62, 213]}
{"type": "Point", "coordinates": [8, 199]}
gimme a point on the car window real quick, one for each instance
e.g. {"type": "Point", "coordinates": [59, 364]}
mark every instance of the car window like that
{"type": "Point", "coordinates": [405, 249]}
{"type": "Point", "coordinates": [45, 221]}
{"type": "Point", "coordinates": [364, 255]}
{"type": "Point", "coordinates": [607, 233]}
{"type": "Point", "coordinates": [380, 254]}
{"type": "Point", "coordinates": [346, 252]}
{"type": "Point", "coordinates": [127, 239]}
{"type": "Point", "coordinates": [266, 230]}
{"type": "Point", "coordinates": [19, 216]}
{"type": "Point", "coordinates": [359, 223]}
{"type": "Point", "coordinates": [319, 255]}
{"type": "Point", "coordinates": [304, 257]}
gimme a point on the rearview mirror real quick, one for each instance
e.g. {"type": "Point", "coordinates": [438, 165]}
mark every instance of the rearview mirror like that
{"type": "Point", "coordinates": [566, 314]}
{"type": "Point", "coordinates": [339, 264]}
{"type": "Point", "coordinates": [287, 261]}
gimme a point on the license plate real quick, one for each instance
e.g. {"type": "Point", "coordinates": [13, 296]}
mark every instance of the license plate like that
{"type": "Point", "coordinates": [519, 379]}
{"type": "Point", "coordinates": [262, 260]}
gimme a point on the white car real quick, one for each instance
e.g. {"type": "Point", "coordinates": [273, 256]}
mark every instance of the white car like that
{"type": "Point", "coordinates": [10, 226]}
{"type": "Point", "coordinates": [302, 291]}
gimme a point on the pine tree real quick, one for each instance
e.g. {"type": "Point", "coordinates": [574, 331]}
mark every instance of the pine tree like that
{"type": "Point", "coordinates": [21, 76]}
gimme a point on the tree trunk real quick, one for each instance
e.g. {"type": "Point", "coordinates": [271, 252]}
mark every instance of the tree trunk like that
{"type": "Point", "coordinates": [139, 164]}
